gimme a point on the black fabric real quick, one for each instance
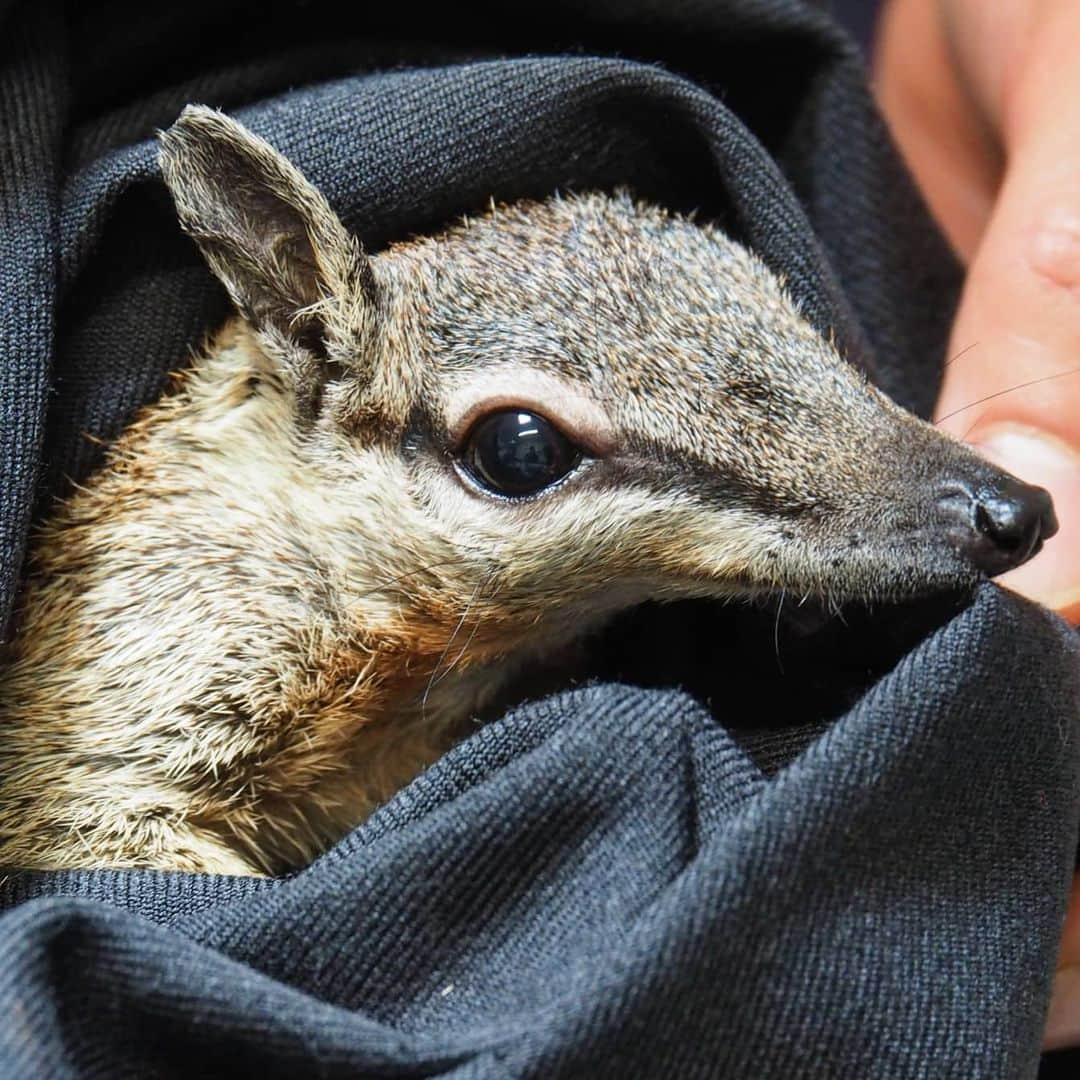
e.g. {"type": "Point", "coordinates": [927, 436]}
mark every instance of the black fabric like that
{"type": "Point", "coordinates": [860, 18]}
{"type": "Point", "coordinates": [849, 865]}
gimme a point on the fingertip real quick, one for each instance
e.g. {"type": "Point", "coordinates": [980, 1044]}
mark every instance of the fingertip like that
{"type": "Point", "coordinates": [1052, 578]}
{"type": "Point", "coordinates": [1063, 1019]}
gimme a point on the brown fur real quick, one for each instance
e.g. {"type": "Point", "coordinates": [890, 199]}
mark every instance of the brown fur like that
{"type": "Point", "coordinates": [278, 599]}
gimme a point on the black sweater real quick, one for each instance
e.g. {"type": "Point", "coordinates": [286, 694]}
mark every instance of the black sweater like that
{"type": "Point", "coordinates": [855, 866]}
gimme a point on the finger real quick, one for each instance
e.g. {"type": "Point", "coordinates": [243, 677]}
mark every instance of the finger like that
{"type": "Point", "coordinates": [1019, 319]}
{"type": "Point", "coordinates": [943, 133]}
{"type": "Point", "coordinates": [1063, 1021]}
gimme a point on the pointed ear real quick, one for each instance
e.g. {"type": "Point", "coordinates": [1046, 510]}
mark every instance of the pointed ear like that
{"type": "Point", "coordinates": [269, 235]}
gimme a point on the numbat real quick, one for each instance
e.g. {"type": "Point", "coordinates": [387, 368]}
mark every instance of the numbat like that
{"type": "Point", "coordinates": [390, 482]}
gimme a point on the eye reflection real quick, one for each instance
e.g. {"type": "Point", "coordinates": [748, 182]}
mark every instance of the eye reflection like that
{"type": "Point", "coordinates": [516, 453]}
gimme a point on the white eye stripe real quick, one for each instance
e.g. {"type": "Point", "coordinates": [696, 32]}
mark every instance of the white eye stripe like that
{"type": "Point", "coordinates": [563, 403]}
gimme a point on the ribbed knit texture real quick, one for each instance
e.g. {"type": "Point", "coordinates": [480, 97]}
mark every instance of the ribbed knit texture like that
{"type": "Point", "coordinates": [32, 108]}
{"type": "Point", "coordinates": [728, 855]}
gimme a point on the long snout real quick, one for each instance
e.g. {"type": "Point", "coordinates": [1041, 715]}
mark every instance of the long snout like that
{"type": "Point", "coordinates": [994, 520]}
{"type": "Point", "coordinates": [932, 516]}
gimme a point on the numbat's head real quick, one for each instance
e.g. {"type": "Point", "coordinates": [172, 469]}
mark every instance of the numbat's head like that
{"type": "Point", "coordinates": [571, 405]}
{"type": "Point", "coordinates": [394, 477]}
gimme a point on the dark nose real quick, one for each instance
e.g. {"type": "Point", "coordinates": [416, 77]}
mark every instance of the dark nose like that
{"type": "Point", "coordinates": [1000, 524]}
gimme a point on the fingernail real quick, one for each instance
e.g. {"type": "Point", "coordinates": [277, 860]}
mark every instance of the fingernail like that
{"type": "Point", "coordinates": [1052, 577]}
{"type": "Point", "coordinates": [1063, 1020]}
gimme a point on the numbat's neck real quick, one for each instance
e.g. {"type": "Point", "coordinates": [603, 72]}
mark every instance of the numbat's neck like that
{"type": "Point", "coordinates": [193, 685]}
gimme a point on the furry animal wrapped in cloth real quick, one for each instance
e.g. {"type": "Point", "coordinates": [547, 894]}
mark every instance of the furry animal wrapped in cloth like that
{"type": "Point", "coordinates": [357, 457]}
{"type": "Point", "coordinates": [617, 879]}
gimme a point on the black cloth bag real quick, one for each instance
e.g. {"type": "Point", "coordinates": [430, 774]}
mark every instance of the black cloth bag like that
{"type": "Point", "coordinates": [851, 866]}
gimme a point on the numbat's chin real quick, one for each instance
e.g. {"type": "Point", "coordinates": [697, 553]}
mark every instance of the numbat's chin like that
{"type": "Point", "coordinates": [886, 571]}
{"type": "Point", "coordinates": [896, 569]}
{"type": "Point", "coordinates": [898, 572]}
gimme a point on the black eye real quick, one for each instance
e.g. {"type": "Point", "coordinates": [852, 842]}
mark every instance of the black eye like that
{"type": "Point", "coordinates": [518, 453]}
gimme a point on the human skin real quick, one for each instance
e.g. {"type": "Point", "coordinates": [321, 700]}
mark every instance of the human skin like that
{"type": "Point", "coordinates": [984, 101]}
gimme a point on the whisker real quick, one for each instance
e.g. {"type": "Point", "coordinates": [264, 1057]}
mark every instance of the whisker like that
{"type": "Point", "coordinates": [962, 352]}
{"type": "Point", "coordinates": [838, 611]}
{"type": "Point", "coordinates": [963, 438]}
{"type": "Point", "coordinates": [1011, 389]}
{"type": "Point", "coordinates": [390, 582]}
{"type": "Point", "coordinates": [776, 631]}
{"type": "Point", "coordinates": [446, 649]}
{"type": "Point", "coordinates": [463, 650]}
{"type": "Point", "coordinates": [596, 323]}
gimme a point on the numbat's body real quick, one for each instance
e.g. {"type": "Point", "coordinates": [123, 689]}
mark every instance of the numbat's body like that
{"type": "Point", "coordinates": [392, 479]}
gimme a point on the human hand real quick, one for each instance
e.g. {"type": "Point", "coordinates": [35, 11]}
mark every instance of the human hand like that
{"type": "Point", "coordinates": [984, 100]}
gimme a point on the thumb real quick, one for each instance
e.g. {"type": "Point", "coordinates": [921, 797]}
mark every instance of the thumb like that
{"type": "Point", "coordinates": [1014, 388]}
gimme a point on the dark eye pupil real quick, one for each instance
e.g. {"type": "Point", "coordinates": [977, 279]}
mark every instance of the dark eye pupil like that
{"type": "Point", "coordinates": [518, 453]}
